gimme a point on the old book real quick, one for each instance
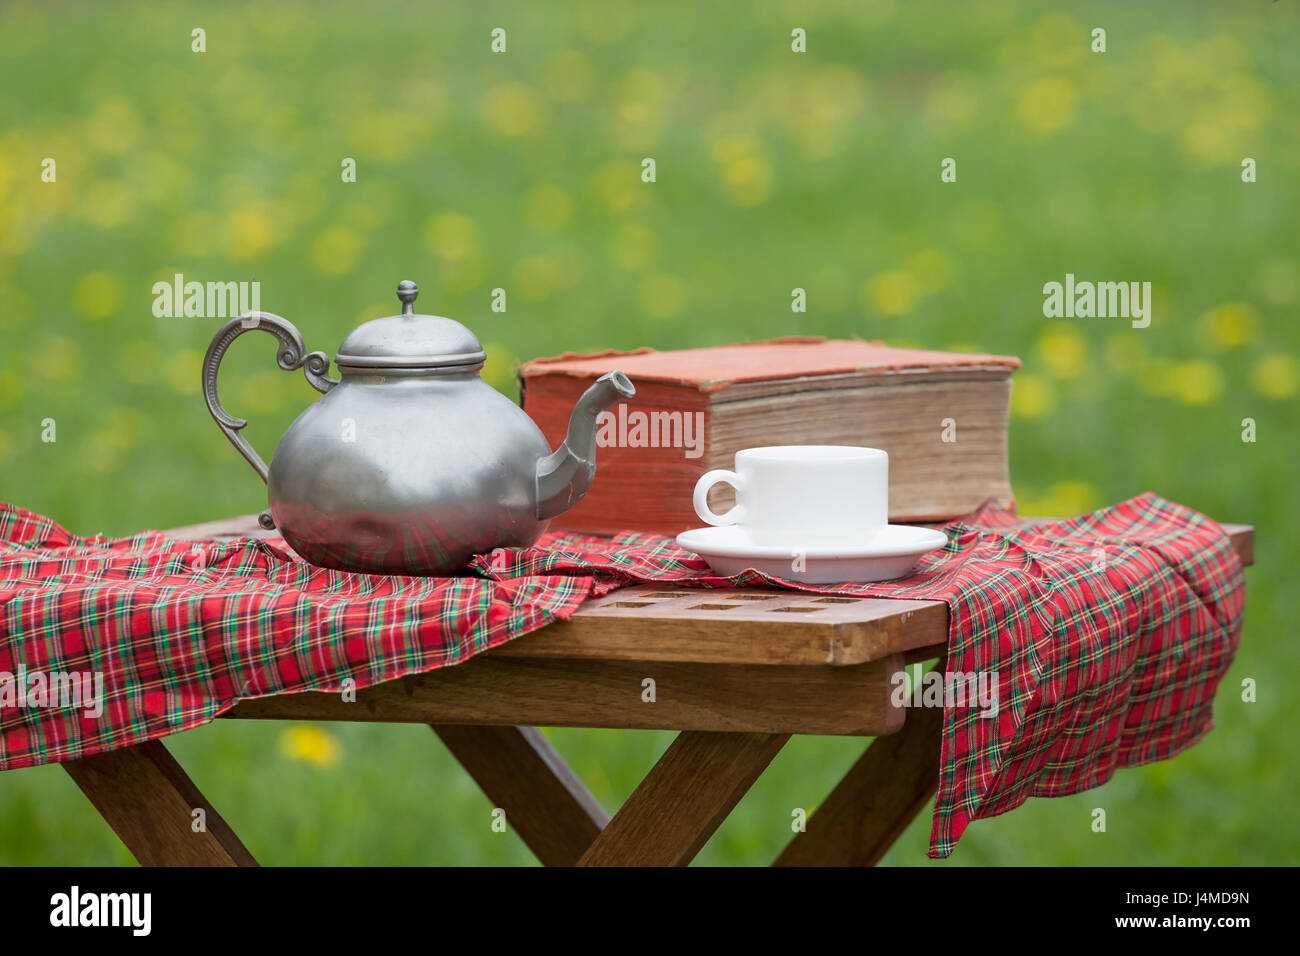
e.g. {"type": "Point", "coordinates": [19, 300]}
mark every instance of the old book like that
{"type": "Point", "coordinates": [941, 416]}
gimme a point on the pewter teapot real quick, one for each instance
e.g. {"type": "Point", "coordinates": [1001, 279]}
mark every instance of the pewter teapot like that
{"type": "Point", "coordinates": [410, 463]}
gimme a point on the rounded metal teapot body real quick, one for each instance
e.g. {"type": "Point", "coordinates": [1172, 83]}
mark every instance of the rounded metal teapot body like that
{"type": "Point", "coordinates": [410, 470]}
{"type": "Point", "coordinates": [407, 475]}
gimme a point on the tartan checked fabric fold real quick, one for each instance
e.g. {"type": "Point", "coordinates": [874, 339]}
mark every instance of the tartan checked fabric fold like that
{"type": "Point", "coordinates": [1106, 635]}
{"type": "Point", "coordinates": [181, 631]}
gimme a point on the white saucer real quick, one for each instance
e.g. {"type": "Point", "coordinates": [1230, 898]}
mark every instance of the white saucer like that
{"type": "Point", "coordinates": [889, 553]}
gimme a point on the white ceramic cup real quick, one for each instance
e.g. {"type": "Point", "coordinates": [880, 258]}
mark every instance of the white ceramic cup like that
{"type": "Point", "coordinates": [803, 495]}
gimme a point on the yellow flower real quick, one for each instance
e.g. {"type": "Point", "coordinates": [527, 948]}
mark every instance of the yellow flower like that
{"type": "Point", "coordinates": [452, 236]}
{"type": "Point", "coordinates": [391, 136]}
{"type": "Point", "coordinates": [618, 184]}
{"type": "Point", "coordinates": [312, 745]}
{"type": "Point", "coordinates": [1213, 140]}
{"type": "Point", "coordinates": [1227, 326]}
{"type": "Point", "coordinates": [58, 359]}
{"type": "Point", "coordinates": [97, 294]}
{"type": "Point", "coordinates": [818, 112]}
{"type": "Point", "coordinates": [639, 110]}
{"type": "Point", "coordinates": [1047, 105]}
{"type": "Point", "coordinates": [891, 293]}
{"type": "Point", "coordinates": [1032, 396]}
{"type": "Point", "coordinates": [639, 125]}
{"type": "Point", "coordinates": [513, 109]}
{"type": "Point", "coordinates": [184, 371]}
{"type": "Point", "coordinates": [1062, 350]}
{"type": "Point", "coordinates": [748, 180]}
{"type": "Point", "coordinates": [1196, 382]}
{"type": "Point", "coordinates": [249, 232]}
{"type": "Point", "coordinates": [335, 251]}
{"type": "Point", "coordinates": [661, 296]}
{"type": "Point", "coordinates": [1276, 376]}
{"type": "Point", "coordinates": [728, 148]}
{"type": "Point", "coordinates": [1244, 98]}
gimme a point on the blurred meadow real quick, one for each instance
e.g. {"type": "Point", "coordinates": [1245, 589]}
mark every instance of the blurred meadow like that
{"type": "Point", "coordinates": [775, 170]}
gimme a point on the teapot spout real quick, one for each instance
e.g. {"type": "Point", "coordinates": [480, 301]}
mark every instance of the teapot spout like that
{"type": "Point", "coordinates": [564, 475]}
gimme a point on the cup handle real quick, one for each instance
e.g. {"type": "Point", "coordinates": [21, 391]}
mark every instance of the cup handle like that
{"type": "Point", "coordinates": [701, 499]}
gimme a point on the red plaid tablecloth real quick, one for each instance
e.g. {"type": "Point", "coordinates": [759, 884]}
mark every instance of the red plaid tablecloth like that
{"type": "Point", "coordinates": [1107, 635]}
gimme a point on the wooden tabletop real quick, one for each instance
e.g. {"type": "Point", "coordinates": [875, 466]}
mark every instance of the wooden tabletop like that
{"type": "Point", "coordinates": [725, 625]}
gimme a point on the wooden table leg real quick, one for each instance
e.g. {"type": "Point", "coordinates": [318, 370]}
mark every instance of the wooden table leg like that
{"type": "Point", "coordinates": [683, 799]}
{"type": "Point", "coordinates": [876, 800]}
{"type": "Point", "coordinates": [544, 801]}
{"type": "Point", "coordinates": [149, 801]}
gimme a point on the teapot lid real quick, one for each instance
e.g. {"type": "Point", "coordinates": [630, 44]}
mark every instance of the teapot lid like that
{"type": "Point", "coordinates": [409, 340]}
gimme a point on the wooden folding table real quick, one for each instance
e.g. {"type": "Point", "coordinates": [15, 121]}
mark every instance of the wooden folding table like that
{"type": "Point", "coordinates": [735, 671]}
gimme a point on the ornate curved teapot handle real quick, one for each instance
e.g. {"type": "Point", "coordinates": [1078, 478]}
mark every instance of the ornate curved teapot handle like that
{"type": "Point", "coordinates": [291, 355]}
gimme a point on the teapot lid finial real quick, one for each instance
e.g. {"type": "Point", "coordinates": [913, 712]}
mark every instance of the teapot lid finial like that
{"type": "Point", "coordinates": [407, 291]}
{"type": "Point", "coordinates": [410, 341]}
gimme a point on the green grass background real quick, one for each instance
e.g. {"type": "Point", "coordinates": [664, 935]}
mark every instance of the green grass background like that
{"type": "Point", "coordinates": [775, 170]}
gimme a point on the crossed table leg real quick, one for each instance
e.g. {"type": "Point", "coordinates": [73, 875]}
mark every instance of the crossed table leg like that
{"type": "Point", "coordinates": [703, 775]}
{"type": "Point", "coordinates": [151, 804]}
